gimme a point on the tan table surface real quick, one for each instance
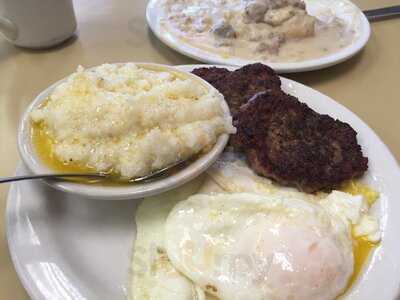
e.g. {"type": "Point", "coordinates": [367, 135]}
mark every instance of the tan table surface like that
{"type": "Point", "coordinates": [116, 31]}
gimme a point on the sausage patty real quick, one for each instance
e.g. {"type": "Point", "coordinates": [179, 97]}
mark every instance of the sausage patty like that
{"type": "Point", "coordinates": [212, 75]}
{"type": "Point", "coordinates": [287, 141]}
{"type": "Point", "coordinates": [240, 85]}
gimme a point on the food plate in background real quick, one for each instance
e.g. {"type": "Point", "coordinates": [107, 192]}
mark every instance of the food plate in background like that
{"type": "Point", "coordinates": [67, 247]}
{"type": "Point", "coordinates": [348, 13]}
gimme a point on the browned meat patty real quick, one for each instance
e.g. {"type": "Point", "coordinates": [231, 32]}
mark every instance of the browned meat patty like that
{"type": "Point", "coordinates": [212, 75]}
{"type": "Point", "coordinates": [287, 141]}
{"type": "Point", "coordinates": [242, 84]}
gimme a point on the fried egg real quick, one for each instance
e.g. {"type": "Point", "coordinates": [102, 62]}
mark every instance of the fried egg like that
{"type": "Point", "coordinates": [234, 235]}
{"type": "Point", "coordinates": [250, 246]}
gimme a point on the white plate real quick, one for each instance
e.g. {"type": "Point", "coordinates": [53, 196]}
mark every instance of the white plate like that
{"type": "Point", "coordinates": [128, 191]}
{"type": "Point", "coordinates": [66, 247]}
{"type": "Point", "coordinates": [351, 14]}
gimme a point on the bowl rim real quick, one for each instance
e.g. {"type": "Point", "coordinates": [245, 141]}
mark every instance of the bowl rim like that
{"type": "Point", "coordinates": [101, 192]}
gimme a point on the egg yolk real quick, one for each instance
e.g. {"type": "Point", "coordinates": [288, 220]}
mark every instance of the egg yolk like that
{"type": "Point", "coordinates": [362, 248]}
{"type": "Point", "coordinates": [354, 187]}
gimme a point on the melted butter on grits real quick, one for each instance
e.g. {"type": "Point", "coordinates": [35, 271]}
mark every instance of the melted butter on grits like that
{"type": "Point", "coordinates": [127, 120]}
{"type": "Point", "coordinates": [44, 146]}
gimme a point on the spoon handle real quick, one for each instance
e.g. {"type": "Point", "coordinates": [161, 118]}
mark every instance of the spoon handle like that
{"type": "Point", "coordinates": [382, 13]}
{"type": "Point", "coordinates": [41, 176]}
{"type": "Point", "coordinates": [93, 175]}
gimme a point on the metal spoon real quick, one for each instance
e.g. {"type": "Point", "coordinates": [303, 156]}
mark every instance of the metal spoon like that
{"type": "Point", "coordinates": [62, 176]}
{"type": "Point", "coordinates": [383, 13]}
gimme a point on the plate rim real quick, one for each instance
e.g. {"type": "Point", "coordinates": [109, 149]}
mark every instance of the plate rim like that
{"type": "Point", "coordinates": [11, 205]}
{"type": "Point", "coordinates": [152, 18]}
{"type": "Point", "coordinates": [29, 288]}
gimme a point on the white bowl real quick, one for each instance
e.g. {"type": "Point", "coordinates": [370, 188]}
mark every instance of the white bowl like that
{"type": "Point", "coordinates": [128, 191]}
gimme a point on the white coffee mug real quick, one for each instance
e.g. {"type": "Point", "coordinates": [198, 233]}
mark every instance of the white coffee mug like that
{"type": "Point", "coordinates": [37, 23]}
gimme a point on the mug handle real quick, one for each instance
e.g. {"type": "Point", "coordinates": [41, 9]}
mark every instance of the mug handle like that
{"type": "Point", "coordinates": [8, 29]}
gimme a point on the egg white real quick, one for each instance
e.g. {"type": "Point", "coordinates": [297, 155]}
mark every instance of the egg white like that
{"type": "Point", "coordinates": [234, 176]}
{"type": "Point", "coordinates": [153, 277]}
{"type": "Point", "coordinates": [247, 246]}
